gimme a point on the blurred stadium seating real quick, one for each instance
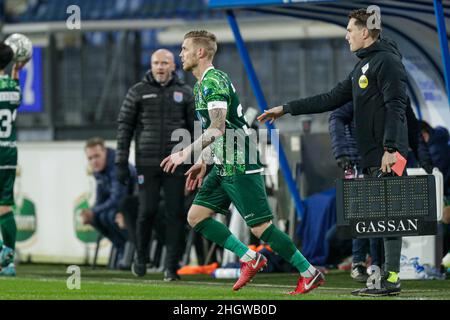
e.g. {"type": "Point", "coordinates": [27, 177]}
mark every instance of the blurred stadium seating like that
{"type": "Point", "coordinates": [87, 73]}
{"type": "Point", "coordinates": [55, 10]}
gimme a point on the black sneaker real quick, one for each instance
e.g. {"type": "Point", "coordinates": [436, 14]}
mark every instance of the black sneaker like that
{"type": "Point", "coordinates": [387, 288]}
{"type": "Point", "coordinates": [359, 272]}
{"type": "Point", "coordinates": [138, 269]}
{"type": "Point", "coordinates": [170, 275]}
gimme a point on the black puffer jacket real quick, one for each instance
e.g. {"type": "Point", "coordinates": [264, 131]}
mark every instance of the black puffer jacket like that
{"type": "Point", "coordinates": [152, 113]}
{"type": "Point", "coordinates": [377, 87]}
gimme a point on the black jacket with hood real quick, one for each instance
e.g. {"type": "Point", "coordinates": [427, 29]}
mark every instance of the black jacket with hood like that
{"type": "Point", "coordinates": [377, 87]}
{"type": "Point", "coordinates": [152, 113]}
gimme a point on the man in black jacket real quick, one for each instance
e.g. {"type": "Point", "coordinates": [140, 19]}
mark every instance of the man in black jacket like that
{"type": "Point", "coordinates": [346, 153]}
{"type": "Point", "coordinates": [152, 110]}
{"type": "Point", "coordinates": [377, 87]}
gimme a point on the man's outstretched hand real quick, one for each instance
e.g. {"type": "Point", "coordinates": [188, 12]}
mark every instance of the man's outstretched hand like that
{"type": "Point", "coordinates": [195, 176]}
{"type": "Point", "coordinates": [271, 114]}
{"type": "Point", "coordinates": [170, 163]}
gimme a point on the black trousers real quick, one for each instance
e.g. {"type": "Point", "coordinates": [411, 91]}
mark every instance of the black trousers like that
{"type": "Point", "coordinates": [104, 222]}
{"type": "Point", "coordinates": [151, 180]}
{"type": "Point", "coordinates": [392, 245]}
{"type": "Point", "coordinates": [129, 208]}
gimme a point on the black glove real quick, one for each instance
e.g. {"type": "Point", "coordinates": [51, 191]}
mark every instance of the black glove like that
{"type": "Point", "coordinates": [122, 173]}
{"type": "Point", "coordinates": [428, 169]}
{"type": "Point", "coordinates": [344, 162]}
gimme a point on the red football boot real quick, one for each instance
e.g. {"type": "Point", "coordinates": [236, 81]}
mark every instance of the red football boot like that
{"type": "Point", "coordinates": [305, 285]}
{"type": "Point", "coordinates": [249, 270]}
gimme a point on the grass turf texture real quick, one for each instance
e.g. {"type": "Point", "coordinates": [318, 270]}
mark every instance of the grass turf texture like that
{"type": "Point", "coordinates": [35, 281]}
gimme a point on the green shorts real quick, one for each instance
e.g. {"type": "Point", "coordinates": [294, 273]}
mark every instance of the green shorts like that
{"type": "Point", "coordinates": [246, 191]}
{"type": "Point", "coordinates": [7, 178]}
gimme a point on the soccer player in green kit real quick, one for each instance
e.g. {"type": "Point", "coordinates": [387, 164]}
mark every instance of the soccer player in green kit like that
{"type": "Point", "coordinates": [9, 102]}
{"type": "Point", "coordinates": [239, 180]}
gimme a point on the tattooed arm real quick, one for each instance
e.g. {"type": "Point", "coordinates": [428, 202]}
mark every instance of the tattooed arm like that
{"type": "Point", "coordinates": [214, 131]}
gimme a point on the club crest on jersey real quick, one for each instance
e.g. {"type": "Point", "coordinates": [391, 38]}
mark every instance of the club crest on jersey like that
{"type": "Point", "coordinates": [363, 82]}
{"type": "Point", "coordinates": [141, 179]}
{"type": "Point", "coordinates": [206, 91]}
{"type": "Point", "coordinates": [178, 96]}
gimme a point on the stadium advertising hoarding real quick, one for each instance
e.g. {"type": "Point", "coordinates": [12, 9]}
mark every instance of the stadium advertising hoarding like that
{"type": "Point", "coordinates": [50, 228]}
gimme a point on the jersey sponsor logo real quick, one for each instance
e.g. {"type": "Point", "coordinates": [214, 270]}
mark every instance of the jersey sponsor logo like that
{"type": "Point", "coordinates": [249, 215]}
{"type": "Point", "coordinates": [8, 144]}
{"type": "Point", "coordinates": [8, 167]}
{"type": "Point", "coordinates": [363, 82]}
{"type": "Point", "coordinates": [150, 96]}
{"type": "Point", "coordinates": [178, 96]}
{"type": "Point", "coordinates": [365, 68]}
{"type": "Point", "coordinates": [11, 96]}
{"type": "Point", "coordinates": [217, 105]}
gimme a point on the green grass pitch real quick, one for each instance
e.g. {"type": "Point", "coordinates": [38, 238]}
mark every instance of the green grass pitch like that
{"type": "Point", "coordinates": [36, 282]}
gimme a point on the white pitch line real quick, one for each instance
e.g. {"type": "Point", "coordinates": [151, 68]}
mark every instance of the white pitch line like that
{"type": "Point", "coordinates": [262, 285]}
{"type": "Point", "coordinates": [143, 282]}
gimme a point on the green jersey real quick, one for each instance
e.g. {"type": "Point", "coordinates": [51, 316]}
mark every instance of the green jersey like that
{"type": "Point", "coordinates": [9, 102]}
{"type": "Point", "coordinates": [239, 154]}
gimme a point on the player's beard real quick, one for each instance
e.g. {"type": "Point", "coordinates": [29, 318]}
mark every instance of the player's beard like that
{"type": "Point", "coordinates": [189, 65]}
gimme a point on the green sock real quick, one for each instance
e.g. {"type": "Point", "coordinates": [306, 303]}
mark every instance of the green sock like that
{"type": "Point", "coordinates": [9, 229]}
{"type": "Point", "coordinates": [217, 232]}
{"type": "Point", "coordinates": [302, 265]}
{"type": "Point", "coordinates": [213, 230]}
{"type": "Point", "coordinates": [235, 245]}
{"type": "Point", "coordinates": [283, 245]}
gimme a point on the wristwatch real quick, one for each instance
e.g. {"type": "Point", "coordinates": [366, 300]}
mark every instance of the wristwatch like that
{"type": "Point", "coordinates": [390, 149]}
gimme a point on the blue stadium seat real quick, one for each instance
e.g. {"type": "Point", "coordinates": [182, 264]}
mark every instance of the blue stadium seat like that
{"type": "Point", "coordinates": [97, 11]}
{"type": "Point", "coordinates": [55, 10]}
{"type": "Point", "coordinates": [97, 38]}
{"type": "Point", "coordinates": [133, 9]}
{"type": "Point", "coordinates": [109, 9]}
{"type": "Point", "coordinates": [41, 11]}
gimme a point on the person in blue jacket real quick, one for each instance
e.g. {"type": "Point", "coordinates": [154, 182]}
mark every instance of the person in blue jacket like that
{"type": "Point", "coordinates": [109, 193]}
{"type": "Point", "coordinates": [437, 149]}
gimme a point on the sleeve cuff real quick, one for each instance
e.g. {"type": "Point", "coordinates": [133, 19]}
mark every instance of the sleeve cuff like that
{"type": "Point", "coordinates": [286, 108]}
{"type": "Point", "coordinates": [390, 149]}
